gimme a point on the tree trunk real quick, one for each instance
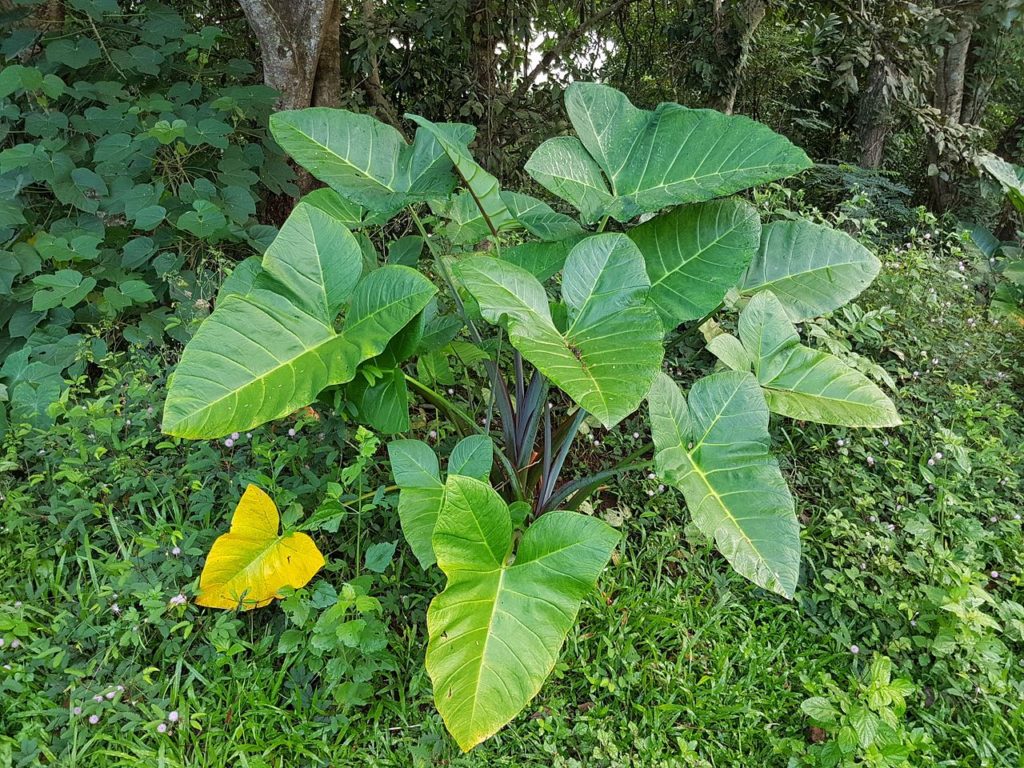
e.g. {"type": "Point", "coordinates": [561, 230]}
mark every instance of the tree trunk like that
{"type": "Point", "coordinates": [292, 34]}
{"type": "Point", "coordinates": [733, 37]}
{"type": "Point", "coordinates": [874, 119]}
{"type": "Point", "coordinates": [300, 50]}
{"type": "Point", "coordinates": [948, 98]}
{"type": "Point", "coordinates": [327, 84]}
{"type": "Point", "coordinates": [483, 70]}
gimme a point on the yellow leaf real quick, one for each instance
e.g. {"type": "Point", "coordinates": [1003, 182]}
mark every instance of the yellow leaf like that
{"type": "Point", "coordinates": [248, 566]}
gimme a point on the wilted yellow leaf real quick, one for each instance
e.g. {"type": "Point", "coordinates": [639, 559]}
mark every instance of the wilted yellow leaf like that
{"type": "Point", "coordinates": [248, 566]}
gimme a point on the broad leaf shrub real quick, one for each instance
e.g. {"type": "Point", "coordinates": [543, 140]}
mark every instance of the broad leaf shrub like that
{"type": "Point", "coordinates": [1005, 259]}
{"type": "Point", "coordinates": [517, 557]}
{"type": "Point", "coordinates": [131, 161]}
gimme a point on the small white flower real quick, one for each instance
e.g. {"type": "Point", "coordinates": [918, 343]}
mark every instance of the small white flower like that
{"type": "Point", "coordinates": [661, 489]}
{"type": "Point", "coordinates": [992, 519]}
{"type": "Point", "coordinates": [178, 599]}
{"type": "Point", "coordinates": [111, 695]}
{"type": "Point", "coordinates": [871, 461]}
{"type": "Point", "coordinates": [636, 435]}
{"type": "Point", "coordinates": [162, 728]}
{"type": "Point", "coordinates": [235, 435]}
{"type": "Point", "coordinates": [98, 698]}
{"type": "Point", "coordinates": [176, 551]}
{"type": "Point", "coordinates": [931, 462]}
{"type": "Point", "coordinates": [76, 711]}
{"type": "Point", "coordinates": [173, 716]}
{"type": "Point", "coordinates": [651, 476]}
{"type": "Point", "coordinates": [650, 492]}
{"type": "Point", "coordinates": [291, 432]}
{"type": "Point", "coordinates": [854, 649]}
{"type": "Point", "coordinates": [93, 719]}
{"type": "Point", "coordinates": [432, 434]}
{"type": "Point", "coordinates": [994, 574]}
{"type": "Point", "coordinates": [451, 391]}
{"type": "Point", "coordinates": [938, 455]}
{"type": "Point", "coordinates": [840, 443]}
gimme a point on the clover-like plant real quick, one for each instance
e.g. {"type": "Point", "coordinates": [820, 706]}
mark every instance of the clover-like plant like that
{"type": "Point", "coordinates": [519, 559]}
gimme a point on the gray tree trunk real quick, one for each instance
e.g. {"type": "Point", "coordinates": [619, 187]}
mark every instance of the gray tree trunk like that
{"type": "Point", "coordinates": [292, 36]}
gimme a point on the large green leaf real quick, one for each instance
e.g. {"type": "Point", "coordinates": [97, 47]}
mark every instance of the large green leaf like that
{"type": "Point", "coordinates": [562, 166]}
{"type": "Point", "coordinates": [694, 254]}
{"type": "Point", "coordinates": [265, 353]}
{"type": "Point", "coordinates": [365, 160]}
{"type": "Point", "coordinates": [715, 450]}
{"type": "Point", "coordinates": [539, 218]}
{"type": "Point", "coordinates": [421, 492]}
{"type": "Point", "coordinates": [812, 269]}
{"type": "Point", "coordinates": [628, 161]}
{"type": "Point", "coordinates": [484, 189]}
{"type": "Point", "coordinates": [497, 628]}
{"type": "Point", "coordinates": [800, 382]}
{"type": "Point", "coordinates": [612, 345]}
{"type": "Point", "coordinates": [1009, 176]}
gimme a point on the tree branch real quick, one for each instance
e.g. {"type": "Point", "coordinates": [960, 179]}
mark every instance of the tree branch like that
{"type": "Point", "coordinates": [563, 45]}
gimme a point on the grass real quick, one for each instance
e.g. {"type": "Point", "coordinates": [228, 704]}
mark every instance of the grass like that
{"type": "Point", "coordinates": [675, 662]}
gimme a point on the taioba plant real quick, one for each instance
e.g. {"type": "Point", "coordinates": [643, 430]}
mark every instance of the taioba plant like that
{"type": "Point", "coordinates": [518, 560]}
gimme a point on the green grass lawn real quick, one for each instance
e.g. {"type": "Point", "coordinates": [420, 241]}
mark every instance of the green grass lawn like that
{"type": "Point", "coordinates": [676, 661]}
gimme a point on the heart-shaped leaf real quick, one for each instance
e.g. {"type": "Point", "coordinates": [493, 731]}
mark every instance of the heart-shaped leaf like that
{"type": "Point", "coordinates": [715, 450]}
{"type": "Point", "coordinates": [365, 160]}
{"type": "Point", "coordinates": [265, 353]}
{"type": "Point", "coordinates": [497, 628]}
{"type": "Point", "coordinates": [612, 345]}
{"type": "Point", "coordinates": [694, 254]}
{"type": "Point", "coordinates": [800, 382]}
{"type": "Point", "coordinates": [812, 269]}
{"type": "Point", "coordinates": [418, 476]}
{"type": "Point", "coordinates": [250, 565]}
{"type": "Point", "coordinates": [627, 161]}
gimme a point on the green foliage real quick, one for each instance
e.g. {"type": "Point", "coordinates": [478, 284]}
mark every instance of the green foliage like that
{"type": "Point", "coordinates": [497, 628]}
{"type": "Point", "coordinates": [1006, 259]}
{"type": "Point", "coordinates": [271, 347]}
{"type": "Point", "coordinates": [272, 350]}
{"type": "Point", "coordinates": [800, 382]}
{"type": "Point", "coordinates": [131, 166]}
{"type": "Point", "coordinates": [610, 348]}
{"type": "Point", "coordinates": [673, 648]}
{"type": "Point", "coordinates": [627, 161]}
{"type": "Point", "coordinates": [865, 727]}
{"type": "Point", "coordinates": [713, 447]}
